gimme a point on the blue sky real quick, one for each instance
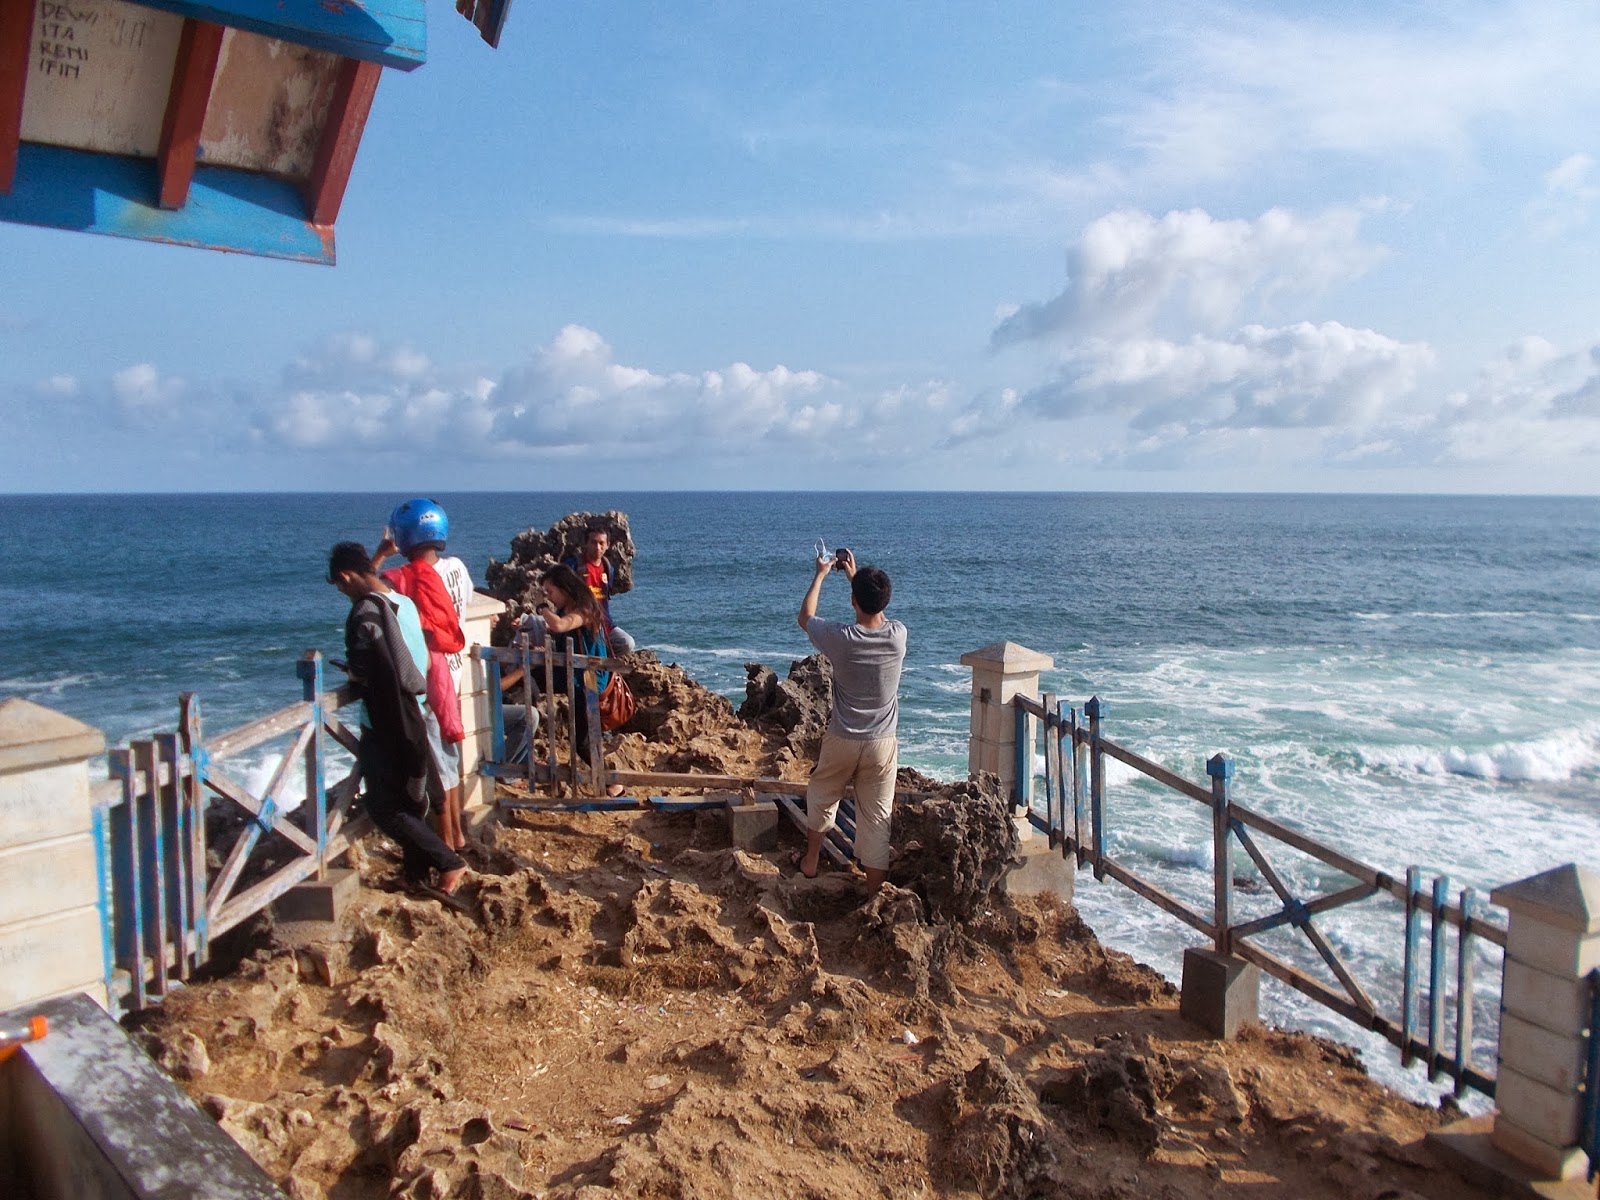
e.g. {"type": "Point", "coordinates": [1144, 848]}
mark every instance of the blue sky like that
{"type": "Point", "coordinates": [703, 245]}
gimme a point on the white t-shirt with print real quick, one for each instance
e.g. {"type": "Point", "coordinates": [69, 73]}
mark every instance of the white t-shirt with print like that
{"type": "Point", "coordinates": [458, 582]}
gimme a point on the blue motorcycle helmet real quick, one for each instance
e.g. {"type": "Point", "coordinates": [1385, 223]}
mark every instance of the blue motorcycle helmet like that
{"type": "Point", "coordinates": [419, 523]}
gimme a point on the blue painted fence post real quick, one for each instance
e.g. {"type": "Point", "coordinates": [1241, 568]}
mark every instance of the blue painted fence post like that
{"type": "Point", "coordinates": [1408, 982]}
{"type": "Point", "coordinates": [1220, 768]}
{"type": "Point", "coordinates": [189, 735]}
{"type": "Point", "coordinates": [1096, 710]}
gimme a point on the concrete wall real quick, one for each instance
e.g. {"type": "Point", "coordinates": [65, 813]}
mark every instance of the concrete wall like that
{"type": "Point", "coordinates": [85, 1115]}
{"type": "Point", "coordinates": [53, 930]}
{"type": "Point", "coordinates": [477, 791]}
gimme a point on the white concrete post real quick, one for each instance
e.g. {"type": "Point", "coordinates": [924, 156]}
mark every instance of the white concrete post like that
{"type": "Point", "coordinates": [1000, 672]}
{"type": "Point", "coordinates": [477, 792]}
{"type": "Point", "coordinates": [54, 932]}
{"type": "Point", "coordinates": [1552, 943]}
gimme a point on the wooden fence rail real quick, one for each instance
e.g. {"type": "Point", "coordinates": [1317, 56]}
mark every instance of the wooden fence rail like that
{"type": "Point", "coordinates": [169, 899]}
{"type": "Point", "coordinates": [1073, 814]}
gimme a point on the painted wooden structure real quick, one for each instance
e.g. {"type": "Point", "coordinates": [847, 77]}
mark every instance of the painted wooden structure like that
{"type": "Point", "coordinates": [165, 902]}
{"type": "Point", "coordinates": [223, 124]}
{"type": "Point", "coordinates": [1545, 1079]}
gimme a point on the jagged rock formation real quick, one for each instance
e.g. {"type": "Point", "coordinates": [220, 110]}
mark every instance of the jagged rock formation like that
{"type": "Point", "coordinates": [796, 707]}
{"type": "Point", "coordinates": [516, 580]}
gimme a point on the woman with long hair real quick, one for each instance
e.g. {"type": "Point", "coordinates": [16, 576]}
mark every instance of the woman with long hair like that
{"type": "Point", "coordinates": [573, 616]}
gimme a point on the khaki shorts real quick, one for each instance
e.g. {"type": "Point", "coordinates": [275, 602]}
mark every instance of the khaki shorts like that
{"type": "Point", "coordinates": [868, 765]}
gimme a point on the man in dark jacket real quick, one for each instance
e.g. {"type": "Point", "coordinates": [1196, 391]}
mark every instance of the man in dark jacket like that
{"type": "Point", "coordinates": [388, 660]}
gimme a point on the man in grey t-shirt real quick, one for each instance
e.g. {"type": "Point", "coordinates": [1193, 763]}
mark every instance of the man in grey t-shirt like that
{"type": "Point", "coordinates": [859, 746]}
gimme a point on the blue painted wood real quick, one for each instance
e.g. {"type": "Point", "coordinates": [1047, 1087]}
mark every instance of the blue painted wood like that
{"type": "Point", "coordinates": [105, 898]}
{"type": "Point", "coordinates": [1021, 765]}
{"type": "Point", "coordinates": [106, 193]}
{"type": "Point", "coordinates": [1436, 965]}
{"type": "Point", "coordinates": [1220, 768]}
{"type": "Point", "coordinates": [391, 32]}
{"type": "Point", "coordinates": [128, 885]}
{"type": "Point", "coordinates": [1408, 985]}
{"type": "Point", "coordinates": [1464, 964]}
{"type": "Point", "coordinates": [175, 846]}
{"type": "Point", "coordinates": [1096, 709]}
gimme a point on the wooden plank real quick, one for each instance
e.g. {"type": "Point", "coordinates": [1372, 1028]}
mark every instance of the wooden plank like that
{"type": "Point", "coordinates": [16, 44]}
{"type": "Point", "coordinates": [550, 719]}
{"type": "Point", "coordinates": [257, 732]}
{"type": "Point", "coordinates": [391, 32]}
{"type": "Point", "coordinates": [1156, 896]}
{"type": "Point", "coordinates": [198, 50]}
{"type": "Point", "coordinates": [1156, 771]}
{"type": "Point", "coordinates": [189, 731]}
{"type": "Point", "coordinates": [830, 846]}
{"type": "Point", "coordinates": [230, 789]}
{"type": "Point", "coordinates": [1322, 904]}
{"type": "Point", "coordinates": [342, 733]}
{"type": "Point", "coordinates": [175, 831]}
{"type": "Point", "coordinates": [258, 895]}
{"type": "Point", "coordinates": [153, 901]}
{"type": "Point", "coordinates": [597, 741]}
{"type": "Point", "coordinates": [126, 827]}
{"type": "Point", "coordinates": [341, 136]}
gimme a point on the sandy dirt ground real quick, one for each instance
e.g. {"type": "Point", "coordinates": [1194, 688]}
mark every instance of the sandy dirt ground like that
{"type": "Point", "coordinates": [634, 1008]}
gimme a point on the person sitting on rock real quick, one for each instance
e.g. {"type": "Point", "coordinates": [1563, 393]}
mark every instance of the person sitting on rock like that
{"type": "Point", "coordinates": [860, 745]}
{"type": "Point", "coordinates": [570, 619]}
{"type": "Point", "coordinates": [595, 569]}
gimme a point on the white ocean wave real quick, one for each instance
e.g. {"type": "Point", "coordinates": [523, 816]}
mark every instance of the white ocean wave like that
{"type": "Point", "coordinates": [665, 650]}
{"type": "Point", "coordinates": [52, 686]}
{"type": "Point", "coordinates": [1555, 758]}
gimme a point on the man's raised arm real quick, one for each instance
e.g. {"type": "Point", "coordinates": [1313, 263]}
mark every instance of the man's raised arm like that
{"type": "Point", "coordinates": [808, 606]}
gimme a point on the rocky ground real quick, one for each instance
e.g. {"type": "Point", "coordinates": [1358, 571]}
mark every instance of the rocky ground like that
{"type": "Point", "coordinates": [634, 1008]}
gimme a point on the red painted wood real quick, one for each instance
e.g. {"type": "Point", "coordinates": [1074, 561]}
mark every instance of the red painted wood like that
{"type": "Point", "coordinates": [192, 74]}
{"type": "Point", "coordinates": [16, 40]}
{"type": "Point", "coordinates": [341, 135]}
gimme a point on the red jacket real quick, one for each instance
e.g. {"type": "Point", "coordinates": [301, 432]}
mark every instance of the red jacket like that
{"type": "Point", "coordinates": [441, 624]}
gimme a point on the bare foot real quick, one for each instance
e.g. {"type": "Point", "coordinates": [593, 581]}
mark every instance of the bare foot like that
{"type": "Point", "coordinates": [808, 865]}
{"type": "Point", "coordinates": [614, 790]}
{"type": "Point", "coordinates": [451, 880]}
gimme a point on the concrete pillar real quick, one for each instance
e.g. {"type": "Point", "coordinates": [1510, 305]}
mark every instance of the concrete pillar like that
{"type": "Point", "coordinates": [1000, 672]}
{"type": "Point", "coordinates": [1552, 943]}
{"type": "Point", "coordinates": [54, 928]}
{"type": "Point", "coordinates": [477, 791]}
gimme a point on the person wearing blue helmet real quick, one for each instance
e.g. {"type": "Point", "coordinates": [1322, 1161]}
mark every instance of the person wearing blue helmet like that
{"type": "Point", "coordinates": [439, 585]}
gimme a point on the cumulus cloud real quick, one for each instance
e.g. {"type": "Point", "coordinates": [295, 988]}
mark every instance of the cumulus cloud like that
{"type": "Point", "coordinates": [1571, 191]}
{"type": "Point", "coordinates": [1299, 376]}
{"type": "Point", "coordinates": [572, 396]}
{"type": "Point", "coordinates": [1243, 86]}
{"type": "Point", "coordinates": [1129, 270]}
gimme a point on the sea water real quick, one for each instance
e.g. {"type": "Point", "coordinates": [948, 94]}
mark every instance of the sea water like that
{"type": "Point", "coordinates": [1413, 680]}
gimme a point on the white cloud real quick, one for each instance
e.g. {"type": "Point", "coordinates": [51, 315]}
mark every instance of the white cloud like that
{"type": "Point", "coordinates": [1130, 270]}
{"type": "Point", "coordinates": [1243, 87]}
{"type": "Point", "coordinates": [1299, 376]}
{"type": "Point", "coordinates": [143, 394]}
{"type": "Point", "coordinates": [1571, 192]}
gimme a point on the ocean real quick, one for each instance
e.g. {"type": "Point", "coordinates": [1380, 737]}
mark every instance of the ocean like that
{"type": "Point", "coordinates": [1415, 680]}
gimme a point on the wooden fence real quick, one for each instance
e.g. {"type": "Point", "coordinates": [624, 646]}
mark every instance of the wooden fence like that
{"type": "Point", "coordinates": [1073, 813]}
{"type": "Point", "coordinates": [168, 898]}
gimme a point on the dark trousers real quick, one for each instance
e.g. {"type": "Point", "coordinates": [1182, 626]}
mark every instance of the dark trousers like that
{"type": "Point", "coordinates": [394, 813]}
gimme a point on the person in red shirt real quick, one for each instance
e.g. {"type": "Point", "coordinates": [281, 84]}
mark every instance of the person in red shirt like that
{"type": "Point", "coordinates": [594, 568]}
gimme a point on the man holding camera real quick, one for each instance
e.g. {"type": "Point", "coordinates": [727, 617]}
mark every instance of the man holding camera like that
{"type": "Point", "coordinates": [860, 746]}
